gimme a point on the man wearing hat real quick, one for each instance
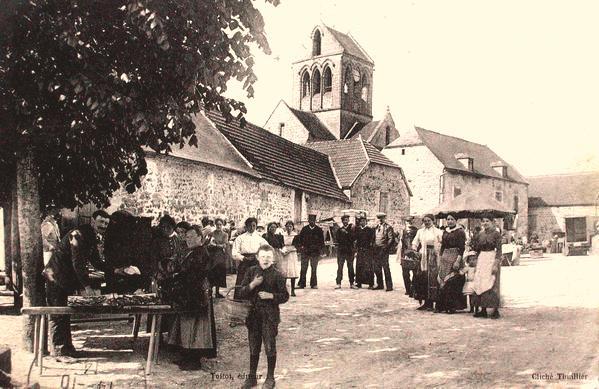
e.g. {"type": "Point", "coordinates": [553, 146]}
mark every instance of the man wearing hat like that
{"type": "Point", "coordinates": [345, 251]}
{"type": "Point", "coordinates": [383, 240]}
{"type": "Point", "coordinates": [408, 236]}
{"type": "Point", "coordinates": [364, 239]}
{"type": "Point", "coordinates": [311, 243]}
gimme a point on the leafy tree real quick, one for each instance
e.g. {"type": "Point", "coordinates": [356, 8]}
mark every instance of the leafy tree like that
{"type": "Point", "coordinates": [86, 85]}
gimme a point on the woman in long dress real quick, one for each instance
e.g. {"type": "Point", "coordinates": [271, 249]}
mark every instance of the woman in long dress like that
{"type": "Point", "coordinates": [451, 280]}
{"type": "Point", "coordinates": [427, 241]}
{"type": "Point", "coordinates": [217, 274]}
{"type": "Point", "coordinates": [288, 265]}
{"type": "Point", "coordinates": [488, 268]}
{"type": "Point", "coordinates": [188, 290]}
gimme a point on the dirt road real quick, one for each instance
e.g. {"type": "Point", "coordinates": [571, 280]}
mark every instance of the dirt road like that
{"type": "Point", "coordinates": [360, 338]}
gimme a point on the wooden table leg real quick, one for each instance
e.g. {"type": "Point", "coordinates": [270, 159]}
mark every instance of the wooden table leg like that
{"type": "Point", "coordinates": [36, 338]}
{"type": "Point", "coordinates": [40, 350]}
{"type": "Point", "coordinates": [151, 346]}
{"type": "Point", "coordinates": [158, 338]}
{"type": "Point", "coordinates": [136, 323]}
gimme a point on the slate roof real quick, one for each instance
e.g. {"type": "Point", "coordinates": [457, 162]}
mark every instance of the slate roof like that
{"type": "Point", "coordinates": [280, 160]}
{"type": "Point", "coordinates": [564, 189]}
{"type": "Point", "coordinates": [213, 149]}
{"type": "Point", "coordinates": [350, 157]}
{"type": "Point", "coordinates": [313, 124]}
{"type": "Point", "coordinates": [445, 148]}
{"type": "Point", "coordinates": [350, 46]}
{"type": "Point", "coordinates": [362, 128]}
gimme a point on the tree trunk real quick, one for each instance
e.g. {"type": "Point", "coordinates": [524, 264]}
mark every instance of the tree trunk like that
{"type": "Point", "coordinates": [15, 251]}
{"type": "Point", "coordinates": [30, 240]}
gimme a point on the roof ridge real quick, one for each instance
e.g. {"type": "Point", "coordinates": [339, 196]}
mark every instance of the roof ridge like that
{"type": "Point", "coordinates": [450, 136]}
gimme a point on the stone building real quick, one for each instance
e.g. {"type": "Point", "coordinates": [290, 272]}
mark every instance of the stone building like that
{"type": "Point", "coordinates": [332, 95]}
{"type": "Point", "coordinates": [371, 181]}
{"type": "Point", "coordinates": [331, 112]}
{"type": "Point", "coordinates": [236, 173]}
{"type": "Point", "coordinates": [553, 199]}
{"type": "Point", "coordinates": [439, 167]}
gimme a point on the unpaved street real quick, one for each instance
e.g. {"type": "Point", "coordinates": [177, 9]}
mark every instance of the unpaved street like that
{"type": "Point", "coordinates": [361, 338]}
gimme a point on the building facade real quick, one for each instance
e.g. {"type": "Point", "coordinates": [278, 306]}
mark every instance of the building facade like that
{"type": "Point", "coordinates": [440, 167]}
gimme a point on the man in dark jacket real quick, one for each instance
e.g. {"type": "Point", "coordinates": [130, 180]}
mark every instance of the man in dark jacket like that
{"type": "Point", "coordinates": [265, 288]}
{"type": "Point", "coordinates": [406, 243]}
{"type": "Point", "coordinates": [364, 240]}
{"type": "Point", "coordinates": [311, 241]}
{"type": "Point", "coordinates": [345, 251]}
{"type": "Point", "coordinates": [383, 241]}
{"type": "Point", "coordinates": [68, 271]}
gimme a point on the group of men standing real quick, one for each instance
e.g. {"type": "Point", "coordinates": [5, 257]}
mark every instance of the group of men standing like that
{"type": "Point", "coordinates": [371, 248]}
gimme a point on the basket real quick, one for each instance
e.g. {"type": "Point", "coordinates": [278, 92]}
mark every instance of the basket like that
{"type": "Point", "coordinates": [235, 310]}
{"type": "Point", "coordinates": [410, 264]}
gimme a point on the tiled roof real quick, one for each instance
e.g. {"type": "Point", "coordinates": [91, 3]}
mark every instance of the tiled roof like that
{"type": "Point", "coordinates": [280, 160]}
{"type": "Point", "coordinates": [350, 46]}
{"type": "Point", "coordinates": [313, 124]}
{"type": "Point", "coordinates": [361, 128]}
{"type": "Point", "coordinates": [564, 189]}
{"type": "Point", "coordinates": [350, 157]}
{"type": "Point", "coordinates": [214, 149]}
{"type": "Point", "coordinates": [445, 148]}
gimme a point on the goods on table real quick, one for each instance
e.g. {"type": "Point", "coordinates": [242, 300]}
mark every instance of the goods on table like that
{"type": "Point", "coordinates": [113, 300]}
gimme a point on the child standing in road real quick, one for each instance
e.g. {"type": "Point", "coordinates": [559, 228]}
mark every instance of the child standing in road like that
{"type": "Point", "coordinates": [265, 288]}
{"type": "Point", "coordinates": [468, 289]}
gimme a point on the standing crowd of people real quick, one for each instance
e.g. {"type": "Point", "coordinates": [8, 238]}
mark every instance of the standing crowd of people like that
{"type": "Point", "coordinates": [442, 269]}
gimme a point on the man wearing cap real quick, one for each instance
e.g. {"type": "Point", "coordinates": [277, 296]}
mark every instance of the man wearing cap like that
{"type": "Point", "coordinates": [383, 240]}
{"type": "Point", "coordinates": [345, 251]}
{"type": "Point", "coordinates": [311, 242]}
{"type": "Point", "coordinates": [408, 236]}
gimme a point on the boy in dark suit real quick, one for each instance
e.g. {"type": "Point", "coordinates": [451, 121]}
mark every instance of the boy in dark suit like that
{"type": "Point", "coordinates": [265, 288]}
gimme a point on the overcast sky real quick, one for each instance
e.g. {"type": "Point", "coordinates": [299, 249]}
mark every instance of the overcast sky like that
{"type": "Point", "coordinates": [519, 76]}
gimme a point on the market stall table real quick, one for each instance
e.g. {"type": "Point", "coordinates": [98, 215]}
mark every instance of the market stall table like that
{"type": "Point", "coordinates": [155, 311]}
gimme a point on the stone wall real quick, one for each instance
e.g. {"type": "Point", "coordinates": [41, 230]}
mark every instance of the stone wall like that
{"type": "Point", "coordinates": [189, 190]}
{"type": "Point", "coordinates": [422, 170]}
{"type": "Point", "coordinates": [377, 179]}
{"type": "Point", "coordinates": [489, 186]}
{"type": "Point", "coordinates": [544, 220]}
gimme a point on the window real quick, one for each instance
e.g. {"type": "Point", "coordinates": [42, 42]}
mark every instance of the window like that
{"type": "Point", "coordinates": [457, 191]}
{"type": "Point", "coordinates": [365, 87]}
{"type": "Point", "coordinates": [403, 151]}
{"type": "Point", "coordinates": [327, 80]}
{"type": "Point", "coordinates": [516, 203]}
{"type": "Point", "coordinates": [357, 84]}
{"type": "Point", "coordinates": [281, 126]}
{"type": "Point", "coordinates": [305, 84]}
{"type": "Point", "coordinates": [499, 196]}
{"type": "Point", "coordinates": [346, 80]}
{"type": "Point", "coordinates": [316, 43]}
{"type": "Point", "coordinates": [316, 82]}
{"type": "Point", "coordinates": [383, 201]}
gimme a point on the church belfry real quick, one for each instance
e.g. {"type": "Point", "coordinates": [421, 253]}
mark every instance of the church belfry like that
{"type": "Point", "coordinates": [334, 81]}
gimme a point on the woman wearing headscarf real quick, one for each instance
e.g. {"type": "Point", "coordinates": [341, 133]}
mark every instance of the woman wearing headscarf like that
{"type": "Point", "coordinates": [427, 242]}
{"type": "Point", "coordinates": [288, 264]}
{"type": "Point", "coordinates": [488, 267]}
{"type": "Point", "coordinates": [188, 290]}
{"type": "Point", "coordinates": [451, 282]}
{"type": "Point", "coordinates": [217, 274]}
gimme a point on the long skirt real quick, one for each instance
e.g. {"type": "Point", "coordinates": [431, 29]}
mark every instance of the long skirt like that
{"type": "Point", "coordinates": [486, 284]}
{"type": "Point", "coordinates": [242, 268]}
{"type": "Point", "coordinates": [425, 282]}
{"type": "Point", "coordinates": [195, 331]}
{"type": "Point", "coordinates": [288, 265]}
{"type": "Point", "coordinates": [364, 267]}
{"type": "Point", "coordinates": [217, 276]}
{"type": "Point", "coordinates": [451, 283]}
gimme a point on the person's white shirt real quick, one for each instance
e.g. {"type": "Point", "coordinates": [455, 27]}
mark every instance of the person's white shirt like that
{"type": "Point", "coordinates": [247, 243]}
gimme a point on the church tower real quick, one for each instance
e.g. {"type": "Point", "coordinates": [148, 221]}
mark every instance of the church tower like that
{"type": "Point", "coordinates": [334, 82]}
